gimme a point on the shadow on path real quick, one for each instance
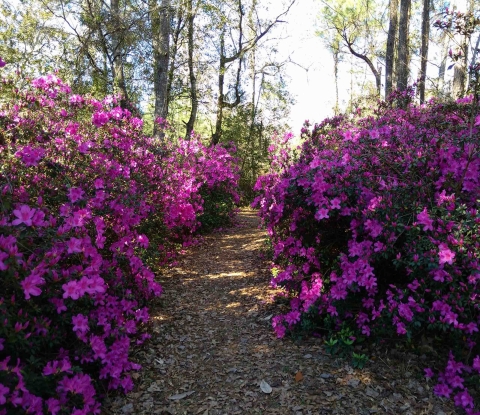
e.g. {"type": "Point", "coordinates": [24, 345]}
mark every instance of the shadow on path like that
{"type": "Point", "coordinates": [212, 344]}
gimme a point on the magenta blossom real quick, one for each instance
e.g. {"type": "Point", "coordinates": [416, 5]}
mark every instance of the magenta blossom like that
{"type": "Point", "coordinates": [80, 323]}
{"type": "Point", "coordinates": [424, 219]}
{"type": "Point", "coordinates": [3, 391]}
{"type": "Point", "coordinates": [30, 285]}
{"type": "Point", "coordinates": [75, 194]}
{"type": "Point", "coordinates": [100, 118]}
{"type": "Point", "coordinates": [30, 156]}
{"type": "Point", "coordinates": [446, 256]}
{"type": "Point", "coordinates": [24, 215]}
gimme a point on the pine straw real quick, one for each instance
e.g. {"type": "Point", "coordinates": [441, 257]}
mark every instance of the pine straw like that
{"type": "Point", "coordinates": [212, 344]}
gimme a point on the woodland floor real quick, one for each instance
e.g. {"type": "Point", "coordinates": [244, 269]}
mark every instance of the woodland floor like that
{"type": "Point", "coordinates": [212, 345]}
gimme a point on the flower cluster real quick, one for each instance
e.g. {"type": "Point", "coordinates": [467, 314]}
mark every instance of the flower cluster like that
{"type": "Point", "coordinates": [376, 225]}
{"type": "Point", "coordinates": [86, 202]}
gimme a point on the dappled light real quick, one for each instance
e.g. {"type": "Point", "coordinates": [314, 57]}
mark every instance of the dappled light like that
{"type": "Point", "coordinates": [215, 349]}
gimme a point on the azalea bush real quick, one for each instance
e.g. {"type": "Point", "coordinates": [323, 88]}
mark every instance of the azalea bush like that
{"type": "Point", "coordinates": [87, 202]}
{"type": "Point", "coordinates": [375, 227]}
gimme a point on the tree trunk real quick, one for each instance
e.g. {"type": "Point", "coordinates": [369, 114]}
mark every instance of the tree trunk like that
{"type": "Point", "coordinates": [443, 64]}
{"type": "Point", "coordinates": [193, 80]}
{"type": "Point", "coordinates": [160, 21]}
{"type": "Point", "coordinates": [217, 135]}
{"type": "Point", "coordinates": [119, 86]}
{"type": "Point", "coordinates": [403, 49]}
{"type": "Point", "coordinates": [174, 50]}
{"type": "Point", "coordinates": [336, 110]}
{"type": "Point", "coordinates": [391, 45]}
{"type": "Point", "coordinates": [424, 49]}
{"type": "Point", "coordinates": [336, 61]}
{"type": "Point", "coordinates": [460, 70]}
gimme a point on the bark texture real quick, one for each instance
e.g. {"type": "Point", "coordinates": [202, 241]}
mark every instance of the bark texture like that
{"type": "Point", "coordinates": [391, 45]}
{"type": "Point", "coordinates": [403, 56]}
{"type": "Point", "coordinates": [160, 21]}
{"type": "Point", "coordinates": [191, 72]}
{"type": "Point", "coordinates": [119, 84]}
{"type": "Point", "coordinates": [424, 48]}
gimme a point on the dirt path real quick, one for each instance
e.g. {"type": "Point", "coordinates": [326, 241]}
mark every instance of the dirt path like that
{"type": "Point", "coordinates": [212, 345]}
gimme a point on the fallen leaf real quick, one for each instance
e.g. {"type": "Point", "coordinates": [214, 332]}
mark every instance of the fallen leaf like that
{"type": "Point", "coordinates": [298, 376]}
{"type": "Point", "coordinates": [372, 393]}
{"type": "Point", "coordinates": [180, 396]}
{"type": "Point", "coordinates": [353, 383]}
{"type": "Point", "coordinates": [265, 387]}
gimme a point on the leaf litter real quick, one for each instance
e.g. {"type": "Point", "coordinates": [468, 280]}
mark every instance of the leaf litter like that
{"type": "Point", "coordinates": [213, 351]}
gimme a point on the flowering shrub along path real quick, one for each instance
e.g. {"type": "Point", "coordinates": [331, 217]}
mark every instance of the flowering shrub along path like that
{"type": "Point", "coordinates": [212, 345]}
{"type": "Point", "coordinates": [375, 228]}
{"type": "Point", "coordinates": [87, 205]}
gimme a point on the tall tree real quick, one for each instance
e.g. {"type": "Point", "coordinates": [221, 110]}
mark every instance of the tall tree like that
{"type": "Point", "coordinates": [160, 14]}
{"type": "Point", "coordinates": [118, 37]}
{"type": "Point", "coordinates": [403, 56]}
{"type": "Point", "coordinates": [444, 45]}
{"type": "Point", "coordinates": [354, 25]}
{"type": "Point", "coordinates": [191, 71]}
{"type": "Point", "coordinates": [424, 49]}
{"type": "Point", "coordinates": [241, 47]}
{"type": "Point", "coordinates": [391, 46]}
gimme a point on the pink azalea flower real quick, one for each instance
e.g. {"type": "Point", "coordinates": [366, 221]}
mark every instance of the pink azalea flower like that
{"type": "Point", "coordinates": [442, 390]}
{"type": "Point", "coordinates": [38, 217]}
{"type": "Point", "coordinates": [98, 183]}
{"type": "Point", "coordinates": [374, 227]}
{"type": "Point", "coordinates": [70, 290]}
{"type": "Point", "coordinates": [76, 100]}
{"type": "Point", "coordinates": [335, 203]}
{"type": "Point", "coordinates": [278, 327]}
{"type": "Point", "coordinates": [451, 318]}
{"type": "Point", "coordinates": [24, 215]}
{"type": "Point", "coordinates": [463, 399]}
{"type": "Point", "coordinates": [143, 241]}
{"type": "Point", "coordinates": [80, 323]}
{"type": "Point", "coordinates": [98, 347]}
{"type": "Point", "coordinates": [3, 391]}
{"type": "Point", "coordinates": [374, 134]}
{"type": "Point", "coordinates": [30, 156]}
{"type": "Point", "coordinates": [116, 113]}
{"type": "Point", "coordinates": [471, 327]}
{"type": "Point", "coordinates": [401, 328]}
{"type": "Point", "coordinates": [476, 364]}
{"type": "Point", "coordinates": [53, 406]}
{"type": "Point", "coordinates": [321, 214]}
{"type": "Point", "coordinates": [74, 245]}
{"type": "Point", "coordinates": [30, 285]}
{"type": "Point", "coordinates": [429, 373]}
{"type": "Point", "coordinates": [96, 285]}
{"type": "Point", "coordinates": [100, 118]}
{"type": "Point", "coordinates": [424, 219]}
{"type": "Point", "coordinates": [446, 256]}
{"type": "Point", "coordinates": [75, 194]}
{"type": "Point", "coordinates": [2, 62]}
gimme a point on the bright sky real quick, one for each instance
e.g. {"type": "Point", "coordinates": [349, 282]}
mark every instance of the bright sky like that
{"type": "Point", "coordinates": [311, 80]}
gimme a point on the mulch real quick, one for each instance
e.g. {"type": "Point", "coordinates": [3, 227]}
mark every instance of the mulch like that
{"type": "Point", "coordinates": [213, 351]}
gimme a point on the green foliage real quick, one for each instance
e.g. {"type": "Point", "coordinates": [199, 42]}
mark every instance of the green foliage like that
{"type": "Point", "coordinates": [252, 139]}
{"type": "Point", "coordinates": [359, 360]}
{"type": "Point", "coordinates": [218, 208]}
